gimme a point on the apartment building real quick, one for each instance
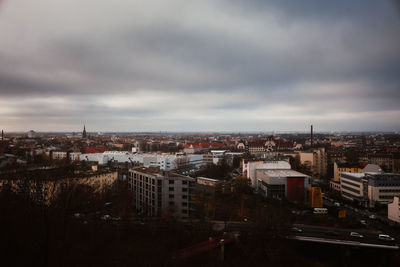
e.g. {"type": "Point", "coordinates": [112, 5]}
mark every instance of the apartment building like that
{"type": "Point", "coordinates": [320, 162]}
{"type": "Point", "coordinates": [159, 192]}
{"type": "Point", "coordinates": [45, 185]}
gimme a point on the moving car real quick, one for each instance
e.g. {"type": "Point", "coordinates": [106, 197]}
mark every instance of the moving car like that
{"type": "Point", "coordinates": [296, 230]}
{"type": "Point", "coordinates": [320, 211]}
{"type": "Point", "coordinates": [385, 237]}
{"type": "Point", "coordinates": [355, 234]}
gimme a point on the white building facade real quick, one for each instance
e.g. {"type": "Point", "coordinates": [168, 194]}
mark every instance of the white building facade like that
{"type": "Point", "coordinates": [394, 210]}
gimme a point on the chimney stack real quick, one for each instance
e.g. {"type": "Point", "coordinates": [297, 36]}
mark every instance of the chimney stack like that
{"type": "Point", "coordinates": [312, 136]}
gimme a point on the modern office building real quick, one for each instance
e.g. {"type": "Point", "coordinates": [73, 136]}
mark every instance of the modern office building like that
{"type": "Point", "coordinates": [339, 168]}
{"type": "Point", "coordinates": [370, 188]}
{"type": "Point", "coordinates": [159, 193]}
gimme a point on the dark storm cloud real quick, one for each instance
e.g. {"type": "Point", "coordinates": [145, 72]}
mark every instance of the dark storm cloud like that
{"type": "Point", "coordinates": [138, 61]}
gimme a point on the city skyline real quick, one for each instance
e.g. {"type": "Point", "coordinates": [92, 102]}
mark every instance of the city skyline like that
{"type": "Point", "coordinates": [211, 66]}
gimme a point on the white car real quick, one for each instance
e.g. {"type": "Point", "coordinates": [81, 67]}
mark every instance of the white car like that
{"type": "Point", "coordinates": [385, 237]}
{"type": "Point", "coordinates": [355, 234]}
{"type": "Point", "coordinates": [372, 216]}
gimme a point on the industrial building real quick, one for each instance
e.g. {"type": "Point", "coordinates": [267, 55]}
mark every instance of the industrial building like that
{"type": "Point", "coordinates": [276, 179]}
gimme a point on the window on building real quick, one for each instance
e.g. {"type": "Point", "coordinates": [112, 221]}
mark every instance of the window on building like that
{"type": "Point", "coordinates": [171, 196]}
{"type": "Point", "coordinates": [171, 181]}
{"type": "Point", "coordinates": [170, 189]}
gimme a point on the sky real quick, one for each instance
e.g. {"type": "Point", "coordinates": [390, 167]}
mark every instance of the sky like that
{"type": "Point", "coordinates": [209, 65]}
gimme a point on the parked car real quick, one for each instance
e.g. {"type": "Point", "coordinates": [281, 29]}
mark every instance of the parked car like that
{"type": "Point", "coordinates": [385, 237]}
{"type": "Point", "coordinates": [355, 234]}
{"type": "Point", "coordinates": [372, 217]}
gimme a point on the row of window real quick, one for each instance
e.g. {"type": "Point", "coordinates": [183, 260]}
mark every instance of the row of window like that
{"type": "Point", "coordinates": [350, 183]}
{"type": "Point", "coordinates": [350, 189]}
{"type": "Point", "coordinates": [389, 190]}
{"type": "Point", "coordinates": [386, 197]}
{"type": "Point", "coordinates": [350, 195]}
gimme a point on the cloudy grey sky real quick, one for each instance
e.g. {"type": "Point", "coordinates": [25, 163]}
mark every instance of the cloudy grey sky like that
{"type": "Point", "coordinates": [209, 65]}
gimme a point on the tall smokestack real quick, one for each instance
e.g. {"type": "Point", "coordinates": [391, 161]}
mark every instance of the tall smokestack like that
{"type": "Point", "coordinates": [312, 136]}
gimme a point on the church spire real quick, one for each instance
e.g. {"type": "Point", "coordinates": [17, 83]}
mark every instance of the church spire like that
{"type": "Point", "coordinates": [84, 131]}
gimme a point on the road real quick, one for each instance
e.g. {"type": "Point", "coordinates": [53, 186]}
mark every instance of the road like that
{"type": "Point", "coordinates": [380, 224]}
{"type": "Point", "coordinates": [369, 236]}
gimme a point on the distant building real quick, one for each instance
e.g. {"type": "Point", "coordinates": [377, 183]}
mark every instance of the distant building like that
{"type": "Point", "coordinates": [306, 158]}
{"type": "Point", "coordinates": [320, 162]}
{"type": "Point", "coordinates": [386, 161]}
{"type": "Point", "coordinates": [157, 193]}
{"type": "Point", "coordinates": [31, 134]}
{"type": "Point", "coordinates": [165, 162]}
{"type": "Point", "coordinates": [74, 156]}
{"type": "Point", "coordinates": [59, 155]}
{"type": "Point", "coordinates": [84, 132]}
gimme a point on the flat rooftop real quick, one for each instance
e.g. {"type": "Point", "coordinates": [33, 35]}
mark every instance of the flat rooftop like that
{"type": "Point", "coordinates": [283, 173]}
{"type": "Point", "coordinates": [161, 174]}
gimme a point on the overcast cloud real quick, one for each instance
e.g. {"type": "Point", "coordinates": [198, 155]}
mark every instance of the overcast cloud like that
{"type": "Point", "coordinates": [210, 65]}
